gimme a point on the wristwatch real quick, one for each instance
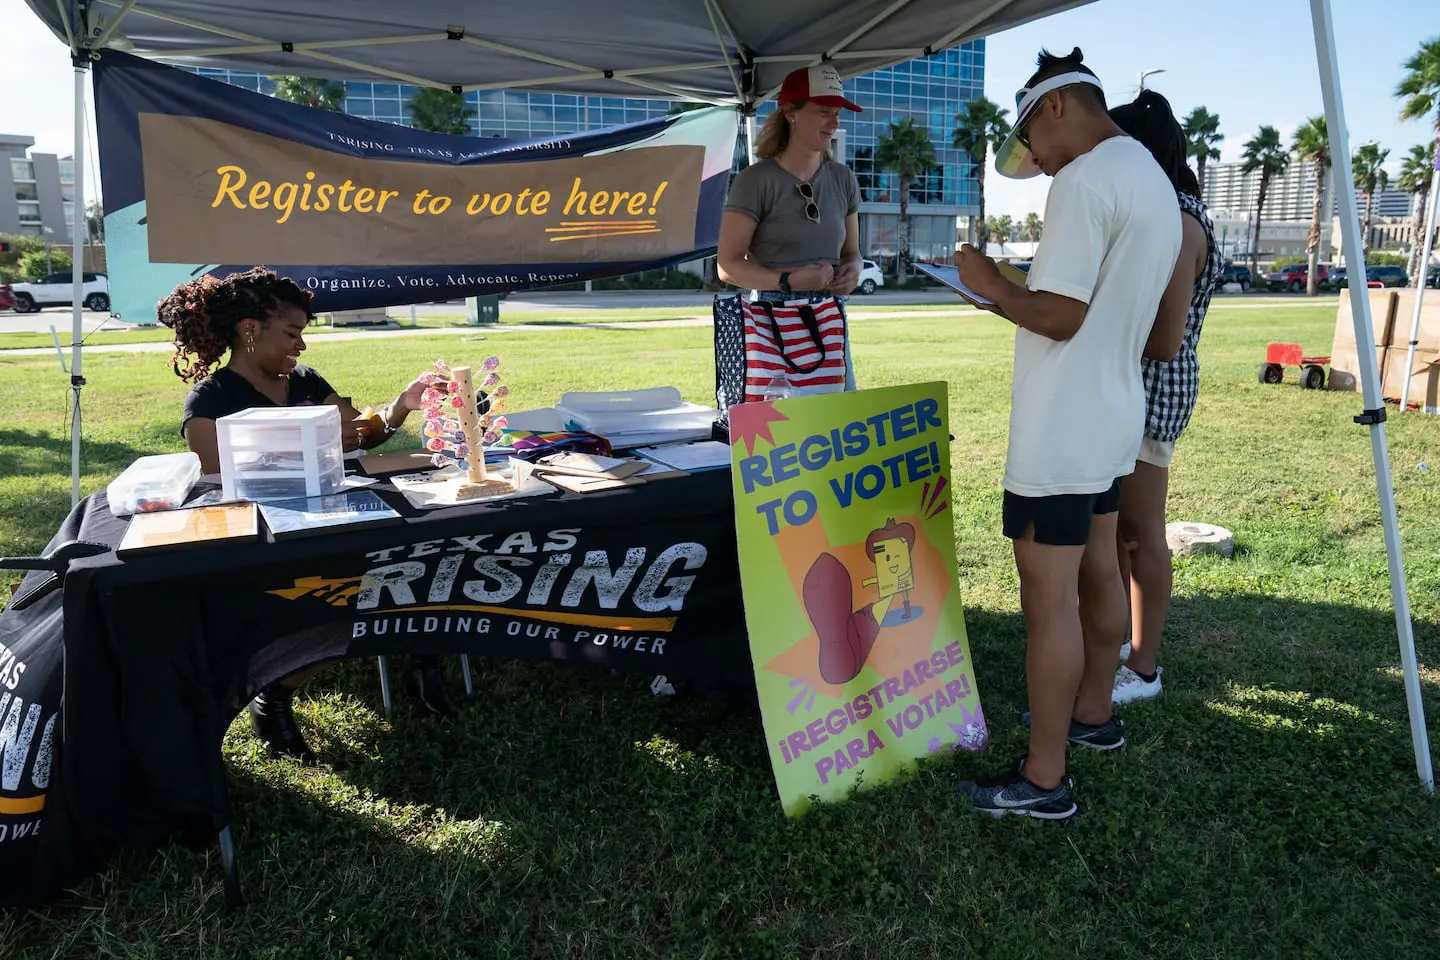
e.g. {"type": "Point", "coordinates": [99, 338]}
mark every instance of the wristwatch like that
{"type": "Point", "coordinates": [784, 286]}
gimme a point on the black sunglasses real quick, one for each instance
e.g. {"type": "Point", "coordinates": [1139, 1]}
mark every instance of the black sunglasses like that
{"type": "Point", "coordinates": [1020, 131]}
{"type": "Point", "coordinates": [812, 209]}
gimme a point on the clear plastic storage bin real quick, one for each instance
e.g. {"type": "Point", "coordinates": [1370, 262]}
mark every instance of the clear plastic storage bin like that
{"type": "Point", "coordinates": [153, 483]}
{"type": "Point", "coordinates": [280, 453]}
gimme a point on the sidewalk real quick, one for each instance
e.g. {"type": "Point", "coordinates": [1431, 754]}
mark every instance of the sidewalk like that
{"type": "Point", "coordinates": [488, 328]}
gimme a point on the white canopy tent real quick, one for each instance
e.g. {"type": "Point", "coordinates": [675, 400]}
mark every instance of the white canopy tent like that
{"type": "Point", "coordinates": [716, 51]}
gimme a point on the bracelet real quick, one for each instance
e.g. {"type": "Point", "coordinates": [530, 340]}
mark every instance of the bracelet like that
{"type": "Point", "coordinates": [385, 419]}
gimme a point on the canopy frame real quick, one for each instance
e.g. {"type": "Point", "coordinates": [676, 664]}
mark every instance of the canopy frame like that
{"type": "Point", "coordinates": [86, 32]}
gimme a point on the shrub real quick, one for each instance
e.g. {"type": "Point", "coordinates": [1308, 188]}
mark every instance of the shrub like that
{"type": "Point", "coordinates": [33, 265]}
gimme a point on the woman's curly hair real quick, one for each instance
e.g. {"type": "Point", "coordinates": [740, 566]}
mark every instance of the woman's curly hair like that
{"type": "Point", "coordinates": [204, 313]}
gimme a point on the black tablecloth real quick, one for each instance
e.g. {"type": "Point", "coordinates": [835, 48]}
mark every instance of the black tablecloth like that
{"type": "Point", "coordinates": [162, 650]}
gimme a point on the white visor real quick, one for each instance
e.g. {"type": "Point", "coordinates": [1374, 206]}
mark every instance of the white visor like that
{"type": "Point", "coordinates": [1013, 159]}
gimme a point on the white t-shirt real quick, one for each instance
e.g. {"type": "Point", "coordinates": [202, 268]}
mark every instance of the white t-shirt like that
{"type": "Point", "coordinates": [1112, 234]}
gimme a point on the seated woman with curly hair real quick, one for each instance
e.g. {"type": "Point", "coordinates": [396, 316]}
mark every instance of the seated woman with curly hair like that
{"type": "Point", "coordinates": [259, 319]}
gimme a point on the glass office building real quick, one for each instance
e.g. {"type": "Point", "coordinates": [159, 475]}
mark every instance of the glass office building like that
{"type": "Point", "coordinates": [933, 90]}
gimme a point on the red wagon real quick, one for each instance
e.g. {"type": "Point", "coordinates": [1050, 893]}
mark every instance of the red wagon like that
{"type": "Point", "coordinates": [1278, 356]}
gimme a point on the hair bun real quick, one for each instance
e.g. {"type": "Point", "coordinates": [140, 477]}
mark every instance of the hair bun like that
{"type": "Point", "coordinates": [1076, 55]}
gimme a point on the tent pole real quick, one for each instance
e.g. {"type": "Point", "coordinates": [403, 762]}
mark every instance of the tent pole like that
{"type": "Point", "coordinates": [81, 61]}
{"type": "Point", "coordinates": [1374, 415]}
{"type": "Point", "coordinates": [749, 109]}
{"type": "Point", "coordinates": [1425, 247]}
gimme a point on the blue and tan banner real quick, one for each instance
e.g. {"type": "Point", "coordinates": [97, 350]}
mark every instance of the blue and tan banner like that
{"type": "Point", "coordinates": [204, 177]}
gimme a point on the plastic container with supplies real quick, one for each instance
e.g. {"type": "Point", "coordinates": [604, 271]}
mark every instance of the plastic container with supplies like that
{"type": "Point", "coordinates": [280, 453]}
{"type": "Point", "coordinates": [153, 483]}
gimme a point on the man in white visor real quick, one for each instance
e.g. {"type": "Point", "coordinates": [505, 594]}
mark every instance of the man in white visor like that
{"type": "Point", "coordinates": [1112, 235]}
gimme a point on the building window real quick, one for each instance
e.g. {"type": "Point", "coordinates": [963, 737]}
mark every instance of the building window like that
{"type": "Point", "coordinates": [22, 169]}
{"type": "Point", "coordinates": [26, 191]}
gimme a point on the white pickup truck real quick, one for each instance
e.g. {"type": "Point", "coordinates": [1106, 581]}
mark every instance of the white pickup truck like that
{"type": "Point", "coordinates": [56, 290]}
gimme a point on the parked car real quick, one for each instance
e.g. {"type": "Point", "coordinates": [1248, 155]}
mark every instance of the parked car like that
{"type": "Point", "coordinates": [1336, 280]}
{"type": "Point", "coordinates": [1236, 273]}
{"type": "Point", "coordinates": [1388, 276]}
{"type": "Point", "coordinates": [1433, 278]}
{"type": "Point", "coordinates": [55, 290]}
{"type": "Point", "coordinates": [7, 299]}
{"type": "Point", "coordinates": [1295, 277]}
{"type": "Point", "coordinates": [871, 277]}
{"type": "Point", "coordinates": [1385, 276]}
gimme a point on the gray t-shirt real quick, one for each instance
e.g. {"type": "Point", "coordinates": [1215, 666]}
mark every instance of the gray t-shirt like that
{"type": "Point", "coordinates": [785, 238]}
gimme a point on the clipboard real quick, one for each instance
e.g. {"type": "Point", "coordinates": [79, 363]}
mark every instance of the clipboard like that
{"type": "Point", "coordinates": [949, 274]}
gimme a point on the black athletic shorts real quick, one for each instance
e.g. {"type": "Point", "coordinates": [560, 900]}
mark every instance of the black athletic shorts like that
{"type": "Point", "coordinates": [1060, 521]}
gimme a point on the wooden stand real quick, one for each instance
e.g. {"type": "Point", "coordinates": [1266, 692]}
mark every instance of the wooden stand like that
{"type": "Point", "coordinates": [476, 483]}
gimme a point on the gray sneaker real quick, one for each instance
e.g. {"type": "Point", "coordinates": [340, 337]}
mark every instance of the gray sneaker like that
{"type": "Point", "coordinates": [1109, 735]}
{"type": "Point", "coordinates": [1010, 792]}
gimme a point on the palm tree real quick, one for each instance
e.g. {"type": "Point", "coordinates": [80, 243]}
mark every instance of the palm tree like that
{"type": "Point", "coordinates": [1415, 174]}
{"type": "Point", "coordinates": [980, 127]}
{"type": "Point", "coordinates": [1034, 227]}
{"type": "Point", "coordinates": [1420, 89]}
{"type": "Point", "coordinates": [1202, 135]}
{"type": "Point", "coordinates": [1312, 145]}
{"type": "Point", "coordinates": [439, 111]}
{"type": "Point", "coordinates": [1002, 228]}
{"type": "Point", "coordinates": [1265, 153]}
{"type": "Point", "coordinates": [311, 92]}
{"type": "Point", "coordinates": [906, 151]}
{"type": "Point", "coordinates": [1370, 177]}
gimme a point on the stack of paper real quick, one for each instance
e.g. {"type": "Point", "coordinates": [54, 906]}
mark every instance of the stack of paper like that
{"type": "Point", "coordinates": [690, 457]}
{"type": "Point", "coordinates": [637, 418]}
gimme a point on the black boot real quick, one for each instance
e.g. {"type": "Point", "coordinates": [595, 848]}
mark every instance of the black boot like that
{"type": "Point", "coordinates": [426, 683]}
{"type": "Point", "coordinates": [274, 723]}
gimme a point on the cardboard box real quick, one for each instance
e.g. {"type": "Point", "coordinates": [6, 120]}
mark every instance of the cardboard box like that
{"type": "Point", "coordinates": [1391, 314]}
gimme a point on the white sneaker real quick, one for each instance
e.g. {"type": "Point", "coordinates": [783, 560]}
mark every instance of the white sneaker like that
{"type": "Point", "coordinates": [1125, 652]}
{"type": "Point", "coordinates": [1129, 686]}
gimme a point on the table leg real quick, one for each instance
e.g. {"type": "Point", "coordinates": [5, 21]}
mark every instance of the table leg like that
{"type": "Point", "coordinates": [385, 683]}
{"type": "Point", "coordinates": [234, 898]}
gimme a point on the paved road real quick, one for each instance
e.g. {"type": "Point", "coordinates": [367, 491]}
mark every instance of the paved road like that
{"type": "Point", "coordinates": [693, 303]}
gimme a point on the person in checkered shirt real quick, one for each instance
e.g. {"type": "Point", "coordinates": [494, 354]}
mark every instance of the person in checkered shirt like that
{"type": "Point", "coordinates": [1171, 372]}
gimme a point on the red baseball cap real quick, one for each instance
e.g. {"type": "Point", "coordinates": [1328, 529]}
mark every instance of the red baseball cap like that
{"type": "Point", "coordinates": [820, 84]}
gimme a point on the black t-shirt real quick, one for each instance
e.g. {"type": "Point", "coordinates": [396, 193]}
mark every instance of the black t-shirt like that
{"type": "Point", "coordinates": [225, 392]}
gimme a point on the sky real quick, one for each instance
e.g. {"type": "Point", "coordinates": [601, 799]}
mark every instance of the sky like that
{"type": "Point", "coordinates": [1249, 63]}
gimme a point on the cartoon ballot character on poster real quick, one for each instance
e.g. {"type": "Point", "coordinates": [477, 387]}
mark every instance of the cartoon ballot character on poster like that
{"type": "Point", "coordinates": [852, 596]}
{"type": "Point", "coordinates": [847, 636]}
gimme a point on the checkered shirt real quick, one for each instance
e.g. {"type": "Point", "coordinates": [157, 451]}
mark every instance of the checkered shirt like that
{"type": "Point", "coordinates": [1172, 386]}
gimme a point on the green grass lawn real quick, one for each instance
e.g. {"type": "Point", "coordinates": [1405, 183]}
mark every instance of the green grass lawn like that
{"type": "Point", "coordinates": [1266, 805]}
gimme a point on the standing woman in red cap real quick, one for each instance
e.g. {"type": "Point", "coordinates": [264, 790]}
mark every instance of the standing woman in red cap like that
{"type": "Point", "coordinates": [791, 228]}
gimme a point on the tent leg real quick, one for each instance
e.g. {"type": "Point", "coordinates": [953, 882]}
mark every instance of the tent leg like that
{"type": "Point", "coordinates": [1424, 268]}
{"type": "Point", "coordinates": [1374, 415]}
{"type": "Point", "coordinates": [81, 62]}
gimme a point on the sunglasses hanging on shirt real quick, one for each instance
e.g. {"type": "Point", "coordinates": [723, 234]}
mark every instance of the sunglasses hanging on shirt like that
{"type": "Point", "coordinates": [812, 209]}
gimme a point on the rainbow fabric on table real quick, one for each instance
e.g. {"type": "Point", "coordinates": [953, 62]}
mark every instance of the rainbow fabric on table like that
{"type": "Point", "coordinates": [528, 445]}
